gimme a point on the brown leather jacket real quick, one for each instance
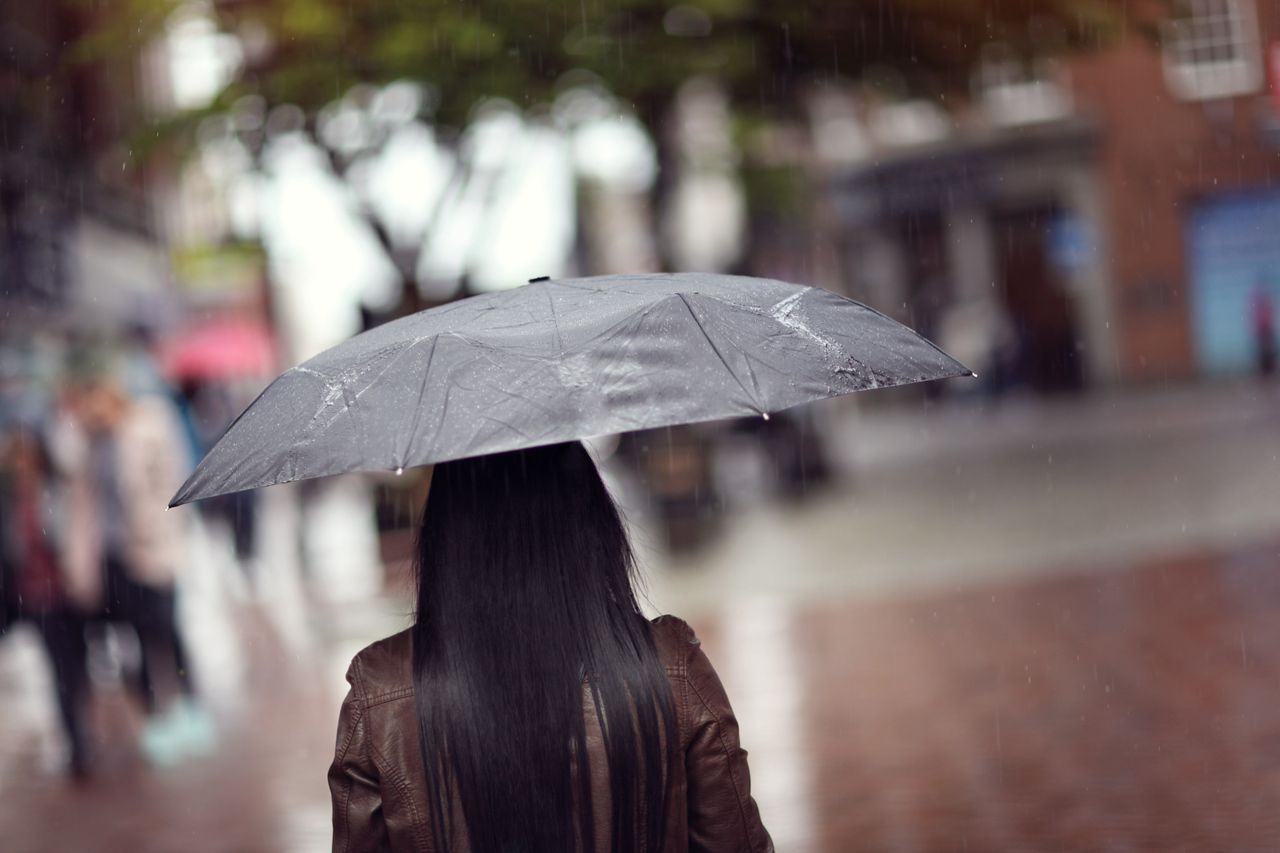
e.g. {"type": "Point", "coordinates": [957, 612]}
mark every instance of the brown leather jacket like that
{"type": "Point", "coordinates": [377, 780]}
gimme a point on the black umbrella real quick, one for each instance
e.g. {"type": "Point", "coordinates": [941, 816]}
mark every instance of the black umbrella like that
{"type": "Point", "coordinates": [559, 360]}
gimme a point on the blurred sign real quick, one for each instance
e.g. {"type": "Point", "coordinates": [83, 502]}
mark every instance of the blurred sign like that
{"type": "Point", "coordinates": [1071, 242]}
{"type": "Point", "coordinates": [220, 274]}
{"type": "Point", "coordinates": [1235, 260]}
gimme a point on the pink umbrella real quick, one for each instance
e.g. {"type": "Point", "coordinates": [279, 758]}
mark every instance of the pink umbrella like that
{"type": "Point", "coordinates": [221, 349]}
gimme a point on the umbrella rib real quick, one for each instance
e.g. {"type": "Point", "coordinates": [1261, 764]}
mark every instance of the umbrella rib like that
{"type": "Point", "coordinates": [719, 355]}
{"type": "Point", "coordinates": [417, 408]}
{"type": "Point", "coordinates": [524, 435]}
{"type": "Point", "coordinates": [555, 319]}
{"type": "Point", "coordinates": [584, 289]}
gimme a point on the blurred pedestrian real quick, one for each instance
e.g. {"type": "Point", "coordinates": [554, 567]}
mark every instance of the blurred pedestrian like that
{"type": "Point", "coordinates": [675, 468]}
{"type": "Point", "coordinates": [131, 457]}
{"type": "Point", "coordinates": [978, 333]}
{"type": "Point", "coordinates": [532, 706]}
{"type": "Point", "coordinates": [212, 408]}
{"type": "Point", "coordinates": [1264, 331]}
{"type": "Point", "coordinates": [32, 584]}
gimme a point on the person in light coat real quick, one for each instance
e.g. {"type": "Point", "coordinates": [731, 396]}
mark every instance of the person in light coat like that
{"type": "Point", "coordinates": [123, 457]}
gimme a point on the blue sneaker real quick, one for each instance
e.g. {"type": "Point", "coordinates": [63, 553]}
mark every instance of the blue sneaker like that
{"type": "Point", "coordinates": [161, 741]}
{"type": "Point", "coordinates": [194, 729]}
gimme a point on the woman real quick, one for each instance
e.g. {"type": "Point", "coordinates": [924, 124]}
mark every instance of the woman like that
{"type": "Point", "coordinates": [531, 707]}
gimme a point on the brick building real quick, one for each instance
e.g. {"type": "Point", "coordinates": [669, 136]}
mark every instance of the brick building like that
{"type": "Point", "coordinates": [1120, 208]}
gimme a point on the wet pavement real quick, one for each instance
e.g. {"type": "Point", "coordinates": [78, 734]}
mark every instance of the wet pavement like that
{"type": "Point", "coordinates": [1042, 629]}
{"type": "Point", "coordinates": [939, 500]}
{"type": "Point", "coordinates": [1134, 710]}
{"type": "Point", "coordinates": [1130, 710]}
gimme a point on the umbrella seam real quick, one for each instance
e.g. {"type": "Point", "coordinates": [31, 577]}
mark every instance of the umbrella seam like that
{"type": "Point", "coordinates": [188, 483]}
{"type": "Point", "coordinates": [417, 408]}
{"type": "Point", "coordinates": [555, 319]}
{"type": "Point", "coordinates": [939, 350]}
{"type": "Point", "coordinates": [683, 298]}
{"type": "Point", "coordinates": [747, 357]}
{"type": "Point", "coordinates": [350, 398]}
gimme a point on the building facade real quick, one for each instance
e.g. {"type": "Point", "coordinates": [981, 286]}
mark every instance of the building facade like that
{"type": "Point", "coordinates": [1118, 212]}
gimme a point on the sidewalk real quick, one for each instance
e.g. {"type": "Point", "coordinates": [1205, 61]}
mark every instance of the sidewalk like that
{"type": "Point", "coordinates": [946, 497]}
{"type": "Point", "coordinates": [1128, 712]}
{"type": "Point", "coordinates": [873, 438]}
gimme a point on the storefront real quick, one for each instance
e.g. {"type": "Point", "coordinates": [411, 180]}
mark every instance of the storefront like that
{"type": "Point", "coordinates": [995, 240]}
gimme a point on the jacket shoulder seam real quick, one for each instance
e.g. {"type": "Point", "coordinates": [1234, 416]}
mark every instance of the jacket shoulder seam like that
{"type": "Point", "coordinates": [403, 789]}
{"type": "Point", "coordinates": [346, 782]}
{"type": "Point", "coordinates": [389, 696]}
{"type": "Point", "coordinates": [351, 730]}
{"type": "Point", "coordinates": [683, 719]}
{"type": "Point", "coordinates": [733, 777]}
{"type": "Point", "coordinates": [357, 679]}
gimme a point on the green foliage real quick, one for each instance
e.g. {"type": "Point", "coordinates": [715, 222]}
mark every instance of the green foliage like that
{"type": "Point", "coordinates": [641, 49]}
{"type": "Point", "coordinates": [120, 31]}
{"type": "Point", "coordinates": [764, 51]}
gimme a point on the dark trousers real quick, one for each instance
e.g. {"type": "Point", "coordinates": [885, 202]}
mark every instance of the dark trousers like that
{"type": "Point", "coordinates": [151, 612]}
{"type": "Point", "coordinates": [239, 512]}
{"type": "Point", "coordinates": [1266, 340]}
{"type": "Point", "coordinates": [62, 632]}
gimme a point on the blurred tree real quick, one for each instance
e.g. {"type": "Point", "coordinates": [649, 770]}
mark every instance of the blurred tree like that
{"type": "Point", "coordinates": [309, 53]}
{"type": "Point", "coordinates": [642, 49]}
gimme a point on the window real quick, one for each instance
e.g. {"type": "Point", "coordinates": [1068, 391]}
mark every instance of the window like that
{"type": "Point", "coordinates": [1211, 49]}
{"type": "Point", "coordinates": [1016, 90]}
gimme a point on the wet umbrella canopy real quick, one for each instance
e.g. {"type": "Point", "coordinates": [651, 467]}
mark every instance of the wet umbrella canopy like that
{"type": "Point", "coordinates": [557, 360]}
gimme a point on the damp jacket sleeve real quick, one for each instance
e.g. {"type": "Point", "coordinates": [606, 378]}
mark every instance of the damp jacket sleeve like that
{"type": "Point", "coordinates": [723, 816]}
{"type": "Point", "coordinates": [358, 824]}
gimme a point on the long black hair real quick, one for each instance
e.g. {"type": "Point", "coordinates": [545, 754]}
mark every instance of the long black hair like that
{"type": "Point", "coordinates": [527, 623]}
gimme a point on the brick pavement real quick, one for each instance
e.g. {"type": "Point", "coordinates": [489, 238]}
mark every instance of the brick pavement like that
{"type": "Point", "coordinates": [1128, 710]}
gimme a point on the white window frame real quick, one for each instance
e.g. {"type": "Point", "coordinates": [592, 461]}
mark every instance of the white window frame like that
{"type": "Point", "coordinates": [1200, 80]}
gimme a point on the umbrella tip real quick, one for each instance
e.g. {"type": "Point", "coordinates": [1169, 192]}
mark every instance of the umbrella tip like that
{"type": "Point", "coordinates": [399, 470]}
{"type": "Point", "coordinates": [764, 415]}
